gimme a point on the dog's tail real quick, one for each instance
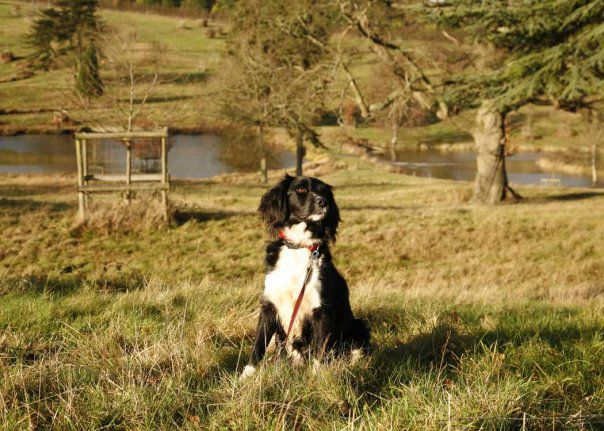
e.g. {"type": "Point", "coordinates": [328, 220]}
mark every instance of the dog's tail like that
{"type": "Point", "coordinates": [360, 334]}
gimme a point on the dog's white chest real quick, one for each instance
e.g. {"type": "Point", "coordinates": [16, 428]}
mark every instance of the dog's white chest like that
{"type": "Point", "coordinates": [283, 284]}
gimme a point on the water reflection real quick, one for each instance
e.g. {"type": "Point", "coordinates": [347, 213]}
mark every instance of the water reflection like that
{"type": "Point", "coordinates": [190, 156]}
{"type": "Point", "coordinates": [203, 156]}
{"type": "Point", "coordinates": [37, 153]}
{"type": "Point", "coordinates": [461, 165]}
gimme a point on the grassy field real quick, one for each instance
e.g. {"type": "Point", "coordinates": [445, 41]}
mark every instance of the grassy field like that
{"type": "Point", "coordinates": [190, 56]}
{"type": "Point", "coordinates": [488, 313]}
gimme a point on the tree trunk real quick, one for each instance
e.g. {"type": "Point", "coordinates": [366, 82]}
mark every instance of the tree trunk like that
{"type": "Point", "coordinates": [594, 137]}
{"type": "Point", "coordinates": [300, 152]}
{"type": "Point", "coordinates": [394, 139]}
{"type": "Point", "coordinates": [263, 164]}
{"type": "Point", "coordinates": [491, 178]}
{"type": "Point", "coordinates": [594, 158]}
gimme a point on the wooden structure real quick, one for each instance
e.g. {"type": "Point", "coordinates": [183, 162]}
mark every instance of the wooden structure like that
{"type": "Point", "coordinates": [127, 182]}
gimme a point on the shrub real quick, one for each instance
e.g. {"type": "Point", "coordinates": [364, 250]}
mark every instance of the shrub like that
{"type": "Point", "coordinates": [88, 79]}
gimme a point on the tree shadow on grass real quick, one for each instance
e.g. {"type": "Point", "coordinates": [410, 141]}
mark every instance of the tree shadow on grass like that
{"type": "Point", "coordinates": [367, 185]}
{"type": "Point", "coordinates": [15, 190]}
{"type": "Point", "coordinates": [181, 217]}
{"type": "Point", "coordinates": [575, 196]}
{"type": "Point", "coordinates": [379, 207]}
{"type": "Point", "coordinates": [446, 137]}
{"type": "Point", "coordinates": [161, 99]}
{"type": "Point", "coordinates": [33, 205]}
{"type": "Point", "coordinates": [38, 284]}
{"type": "Point", "coordinates": [194, 184]}
{"type": "Point", "coordinates": [439, 350]}
{"type": "Point", "coordinates": [70, 279]}
{"type": "Point", "coordinates": [184, 78]}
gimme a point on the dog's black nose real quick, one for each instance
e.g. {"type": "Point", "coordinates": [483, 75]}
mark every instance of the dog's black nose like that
{"type": "Point", "coordinates": [322, 202]}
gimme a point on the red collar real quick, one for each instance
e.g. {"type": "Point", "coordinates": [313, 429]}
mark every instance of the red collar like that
{"type": "Point", "coordinates": [312, 248]}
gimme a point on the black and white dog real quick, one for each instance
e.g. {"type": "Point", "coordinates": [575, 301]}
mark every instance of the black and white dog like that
{"type": "Point", "coordinates": [305, 304]}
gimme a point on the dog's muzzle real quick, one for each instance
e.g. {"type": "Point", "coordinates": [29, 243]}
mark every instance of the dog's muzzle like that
{"type": "Point", "coordinates": [319, 215]}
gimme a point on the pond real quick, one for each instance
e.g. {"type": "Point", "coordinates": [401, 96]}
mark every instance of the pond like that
{"type": "Point", "coordinates": [203, 156]}
{"type": "Point", "coordinates": [190, 156]}
{"type": "Point", "coordinates": [522, 167]}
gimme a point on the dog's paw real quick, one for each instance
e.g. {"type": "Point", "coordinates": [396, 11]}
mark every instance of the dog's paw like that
{"type": "Point", "coordinates": [297, 358]}
{"type": "Point", "coordinates": [247, 372]}
{"type": "Point", "coordinates": [316, 367]}
{"type": "Point", "coordinates": [355, 356]}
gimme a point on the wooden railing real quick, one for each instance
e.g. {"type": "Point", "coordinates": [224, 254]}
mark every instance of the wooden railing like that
{"type": "Point", "coordinates": [127, 182]}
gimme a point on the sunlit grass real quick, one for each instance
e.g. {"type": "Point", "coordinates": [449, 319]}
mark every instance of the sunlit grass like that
{"type": "Point", "coordinates": [489, 312]}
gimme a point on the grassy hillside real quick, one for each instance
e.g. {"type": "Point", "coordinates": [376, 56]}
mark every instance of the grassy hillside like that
{"type": "Point", "coordinates": [488, 312]}
{"type": "Point", "coordinates": [190, 57]}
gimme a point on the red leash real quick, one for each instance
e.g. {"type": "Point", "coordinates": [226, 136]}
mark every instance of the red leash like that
{"type": "Point", "coordinates": [299, 300]}
{"type": "Point", "coordinates": [314, 255]}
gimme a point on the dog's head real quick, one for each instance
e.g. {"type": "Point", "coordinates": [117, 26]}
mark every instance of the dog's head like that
{"type": "Point", "coordinates": [301, 199]}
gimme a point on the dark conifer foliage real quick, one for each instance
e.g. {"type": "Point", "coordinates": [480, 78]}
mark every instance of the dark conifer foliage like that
{"type": "Point", "coordinates": [554, 51]}
{"type": "Point", "coordinates": [69, 26]}
{"type": "Point", "coordinates": [88, 79]}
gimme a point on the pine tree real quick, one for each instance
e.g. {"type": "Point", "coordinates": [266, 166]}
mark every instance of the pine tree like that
{"type": "Point", "coordinates": [69, 26]}
{"type": "Point", "coordinates": [88, 79]}
{"type": "Point", "coordinates": [553, 53]}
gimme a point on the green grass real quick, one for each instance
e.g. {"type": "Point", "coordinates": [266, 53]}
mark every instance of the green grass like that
{"type": "Point", "coordinates": [491, 311]}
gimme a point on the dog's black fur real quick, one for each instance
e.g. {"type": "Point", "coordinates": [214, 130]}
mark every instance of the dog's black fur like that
{"type": "Point", "coordinates": [331, 327]}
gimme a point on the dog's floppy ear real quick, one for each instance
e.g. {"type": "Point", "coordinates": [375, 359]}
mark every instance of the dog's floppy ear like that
{"type": "Point", "coordinates": [332, 218]}
{"type": "Point", "coordinates": [273, 206]}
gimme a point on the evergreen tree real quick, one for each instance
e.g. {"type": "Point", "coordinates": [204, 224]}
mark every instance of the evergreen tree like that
{"type": "Point", "coordinates": [553, 52]}
{"type": "Point", "coordinates": [88, 79]}
{"type": "Point", "coordinates": [69, 26]}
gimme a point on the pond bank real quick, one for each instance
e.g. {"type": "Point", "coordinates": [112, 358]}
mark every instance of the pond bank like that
{"type": "Point", "coordinates": [524, 167]}
{"type": "Point", "coordinates": [7, 130]}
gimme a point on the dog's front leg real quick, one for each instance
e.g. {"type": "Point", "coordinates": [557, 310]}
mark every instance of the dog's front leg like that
{"type": "Point", "coordinates": [321, 333]}
{"type": "Point", "coordinates": [267, 326]}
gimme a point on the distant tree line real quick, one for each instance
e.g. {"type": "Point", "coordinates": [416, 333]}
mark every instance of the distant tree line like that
{"type": "Point", "coordinates": [165, 6]}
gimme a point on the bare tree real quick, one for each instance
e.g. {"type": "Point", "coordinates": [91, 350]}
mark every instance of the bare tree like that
{"type": "Point", "coordinates": [276, 77]}
{"type": "Point", "coordinates": [132, 74]}
{"type": "Point", "coordinates": [359, 16]}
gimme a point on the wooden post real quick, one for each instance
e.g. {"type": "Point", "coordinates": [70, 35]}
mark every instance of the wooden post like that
{"type": "Point", "coordinates": [449, 423]}
{"type": "Point", "coordinates": [85, 171]}
{"type": "Point", "coordinates": [263, 163]}
{"type": "Point", "coordinates": [164, 173]}
{"type": "Point", "coordinates": [81, 197]}
{"type": "Point", "coordinates": [128, 169]}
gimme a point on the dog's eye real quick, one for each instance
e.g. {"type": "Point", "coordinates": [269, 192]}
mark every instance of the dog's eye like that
{"type": "Point", "coordinates": [300, 190]}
